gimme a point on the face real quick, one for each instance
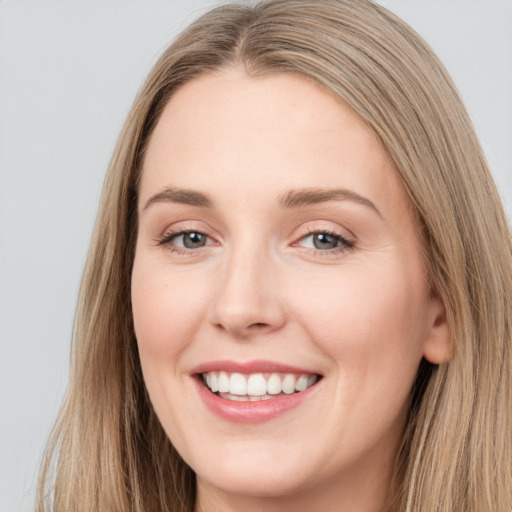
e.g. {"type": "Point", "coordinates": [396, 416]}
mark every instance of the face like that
{"type": "Point", "coordinates": [280, 300]}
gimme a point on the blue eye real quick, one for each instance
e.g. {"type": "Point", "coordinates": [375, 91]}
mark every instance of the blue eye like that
{"type": "Point", "coordinates": [188, 240]}
{"type": "Point", "coordinates": [323, 241]}
{"type": "Point", "coordinates": [191, 240]}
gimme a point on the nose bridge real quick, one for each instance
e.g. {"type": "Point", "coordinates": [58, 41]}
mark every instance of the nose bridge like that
{"type": "Point", "coordinates": [247, 299]}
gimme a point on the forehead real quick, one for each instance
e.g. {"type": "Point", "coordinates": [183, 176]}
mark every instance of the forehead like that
{"type": "Point", "coordinates": [281, 130]}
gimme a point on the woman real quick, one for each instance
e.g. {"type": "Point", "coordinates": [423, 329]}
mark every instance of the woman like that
{"type": "Point", "coordinates": [299, 289]}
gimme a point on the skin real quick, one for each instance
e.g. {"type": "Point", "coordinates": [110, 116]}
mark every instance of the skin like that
{"type": "Point", "coordinates": [362, 316]}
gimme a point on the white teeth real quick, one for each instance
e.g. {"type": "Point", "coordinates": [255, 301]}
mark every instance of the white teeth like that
{"type": "Point", "coordinates": [256, 385]}
{"type": "Point", "coordinates": [223, 382]}
{"type": "Point", "coordinates": [301, 384]}
{"type": "Point", "coordinates": [236, 386]}
{"type": "Point", "coordinates": [274, 384]}
{"type": "Point", "coordinates": [311, 380]}
{"type": "Point", "coordinates": [238, 398]}
{"type": "Point", "coordinates": [214, 386]}
{"type": "Point", "coordinates": [288, 384]}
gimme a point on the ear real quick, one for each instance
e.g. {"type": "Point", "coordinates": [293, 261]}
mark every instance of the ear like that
{"type": "Point", "coordinates": [438, 347]}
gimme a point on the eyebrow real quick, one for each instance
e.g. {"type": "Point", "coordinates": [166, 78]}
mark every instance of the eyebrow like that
{"type": "Point", "coordinates": [309, 196]}
{"type": "Point", "coordinates": [181, 196]}
{"type": "Point", "coordinates": [292, 199]}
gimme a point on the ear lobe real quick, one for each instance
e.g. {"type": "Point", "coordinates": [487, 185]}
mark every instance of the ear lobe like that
{"type": "Point", "coordinates": [438, 347]}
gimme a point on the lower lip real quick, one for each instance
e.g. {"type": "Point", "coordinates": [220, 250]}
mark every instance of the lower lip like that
{"type": "Point", "coordinates": [251, 412]}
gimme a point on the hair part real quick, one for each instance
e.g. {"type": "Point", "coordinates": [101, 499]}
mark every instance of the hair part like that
{"type": "Point", "coordinates": [108, 450]}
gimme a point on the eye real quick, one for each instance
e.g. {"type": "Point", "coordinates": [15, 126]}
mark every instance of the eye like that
{"type": "Point", "coordinates": [323, 241]}
{"type": "Point", "coordinates": [190, 240]}
{"type": "Point", "coordinates": [181, 241]}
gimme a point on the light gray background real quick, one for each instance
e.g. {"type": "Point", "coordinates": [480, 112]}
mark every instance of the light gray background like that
{"type": "Point", "coordinates": [68, 73]}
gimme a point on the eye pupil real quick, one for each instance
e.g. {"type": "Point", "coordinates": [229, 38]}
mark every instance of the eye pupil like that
{"type": "Point", "coordinates": [324, 241]}
{"type": "Point", "coordinates": [193, 240]}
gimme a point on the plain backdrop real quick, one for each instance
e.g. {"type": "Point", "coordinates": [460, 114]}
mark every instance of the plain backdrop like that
{"type": "Point", "coordinates": [69, 71]}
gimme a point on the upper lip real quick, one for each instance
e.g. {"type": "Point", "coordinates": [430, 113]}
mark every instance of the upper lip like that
{"type": "Point", "coordinates": [247, 367]}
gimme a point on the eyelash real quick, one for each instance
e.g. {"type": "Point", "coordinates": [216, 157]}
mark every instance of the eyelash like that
{"type": "Point", "coordinates": [345, 244]}
{"type": "Point", "coordinates": [167, 238]}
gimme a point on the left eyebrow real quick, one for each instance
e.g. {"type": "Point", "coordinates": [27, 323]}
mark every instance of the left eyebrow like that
{"type": "Point", "coordinates": [309, 196]}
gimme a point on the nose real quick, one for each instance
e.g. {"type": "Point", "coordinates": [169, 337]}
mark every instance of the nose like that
{"type": "Point", "coordinates": [248, 302]}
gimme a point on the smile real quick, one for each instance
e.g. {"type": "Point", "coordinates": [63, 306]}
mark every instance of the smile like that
{"type": "Point", "coordinates": [256, 386]}
{"type": "Point", "coordinates": [253, 391]}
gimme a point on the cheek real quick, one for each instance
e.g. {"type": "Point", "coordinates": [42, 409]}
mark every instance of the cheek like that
{"type": "Point", "coordinates": [371, 324]}
{"type": "Point", "coordinates": [167, 312]}
{"type": "Point", "coordinates": [167, 309]}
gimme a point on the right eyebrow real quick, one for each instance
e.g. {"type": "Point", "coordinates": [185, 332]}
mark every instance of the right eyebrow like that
{"type": "Point", "coordinates": [181, 196]}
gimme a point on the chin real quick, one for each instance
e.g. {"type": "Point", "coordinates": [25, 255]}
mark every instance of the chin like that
{"type": "Point", "coordinates": [257, 471]}
{"type": "Point", "coordinates": [253, 482]}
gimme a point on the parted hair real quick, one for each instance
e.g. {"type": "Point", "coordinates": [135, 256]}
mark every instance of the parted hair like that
{"type": "Point", "coordinates": [108, 451]}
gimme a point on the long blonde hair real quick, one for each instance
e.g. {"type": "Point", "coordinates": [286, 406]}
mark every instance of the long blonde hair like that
{"type": "Point", "coordinates": [108, 450]}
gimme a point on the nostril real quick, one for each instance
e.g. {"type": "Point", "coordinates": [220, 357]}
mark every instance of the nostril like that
{"type": "Point", "coordinates": [257, 326]}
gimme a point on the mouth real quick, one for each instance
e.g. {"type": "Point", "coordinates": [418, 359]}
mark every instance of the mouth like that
{"type": "Point", "coordinates": [253, 391]}
{"type": "Point", "coordinates": [255, 387]}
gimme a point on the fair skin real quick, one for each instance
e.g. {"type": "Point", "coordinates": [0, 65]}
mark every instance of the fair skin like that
{"type": "Point", "coordinates": [273, 227]}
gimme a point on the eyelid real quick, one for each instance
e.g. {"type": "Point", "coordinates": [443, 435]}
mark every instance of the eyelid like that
{"type": "Point", "coordinates": [339, 237]}
{"type": "Point", "coordinates": [169, 235]}
{"type": "Point", "coordinates": [347, 243]}
{"type": "Point", "coordinates": [327, 227]}
{"type": "Point", "coordinates": [165, 237]}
